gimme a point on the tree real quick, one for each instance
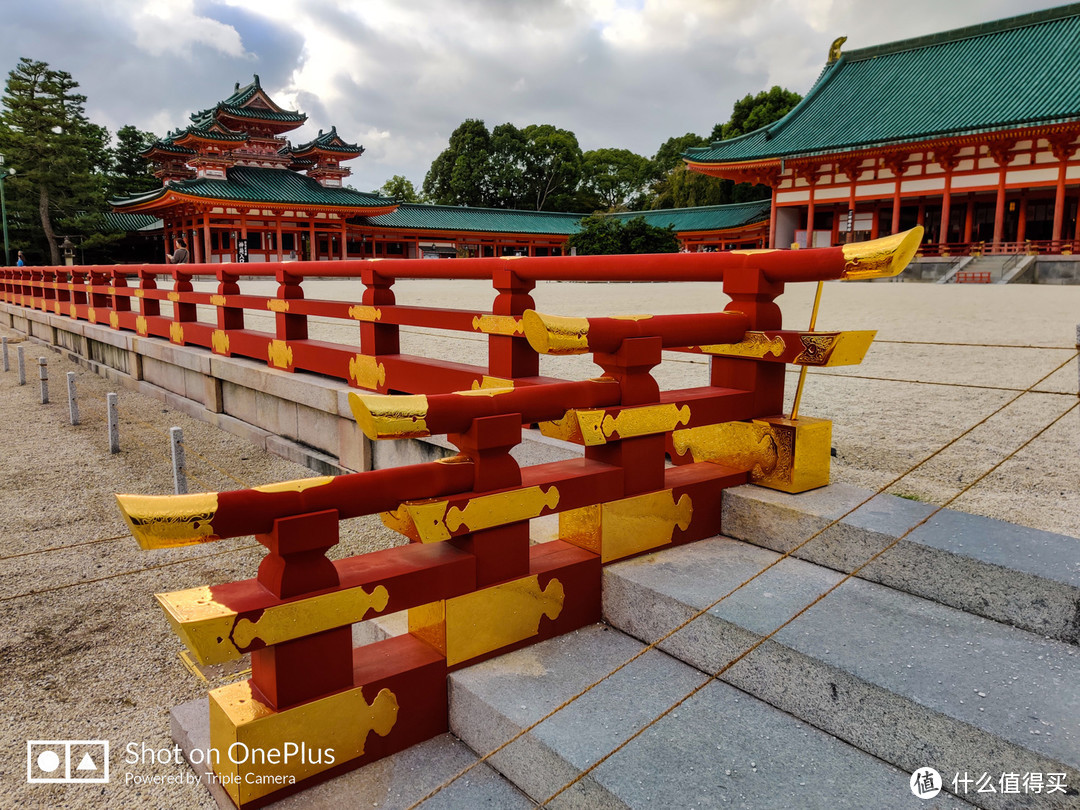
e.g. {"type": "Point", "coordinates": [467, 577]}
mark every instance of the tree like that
{"type": "Point", "coordinates": [130, 173]}
{"type": "Point", "coordinates": [46, 137]}
{"type": "Point", "coordinates": [677, 187]}
{"type": "Point", "coordinates": [603, 234]}
{"type": "Point", "coordinates": [400, 189]}
{"type": "Point", "coordinates": [552, 166]}
{"type": "Point", "coordinates": [613, 178]}
{"type": "Point", "coordinates": [669, 155]}
{"type": "Point", "coordinates": [459, 175]}
{"type": "Point", "coordinates": [755, 112]}
{"type": "Point", "coordinates": [507, 167]}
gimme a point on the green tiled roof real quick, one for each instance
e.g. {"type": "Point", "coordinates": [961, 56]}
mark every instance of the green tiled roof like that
{"type": "Point", "coordinates": [132, 222]}
{"type": "Point", "coordinates": [1016, 72]}
{"type": "Point", "coordinates": [167, 145]}
{"type": "Point", "coordinates": [704, 218]}
{"type": "Point", "coordinates": [204, 131]}
{"type": "Point", "coordinates": [234, 105]}
{"type": "Point", "coordinates": [329, 142]}
{"type": "Point", "coordinates": [255, 185]}
{"type": "Point", "coordinates": [492, 220]}
{"type": "Point", "coordinates": [484, 220]}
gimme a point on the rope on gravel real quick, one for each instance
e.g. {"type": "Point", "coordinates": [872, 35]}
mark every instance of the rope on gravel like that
{"type": "Point", "coordinates": [128, 573]}
{"type": "Point", "coordinates": [64, 548]}
{"type": "Point", "coordinates": [750, 579]}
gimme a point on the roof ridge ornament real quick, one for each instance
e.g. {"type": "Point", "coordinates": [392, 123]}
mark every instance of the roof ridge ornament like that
{"type": "Point", "coordinates": [834, 49]}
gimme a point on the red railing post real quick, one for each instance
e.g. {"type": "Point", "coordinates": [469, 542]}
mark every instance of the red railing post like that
{"type": "Point", "coordinates": [228, 317]}
{"type": "Point", "coordinates": [99, 299]}
{"type": "Point", "coordinates": [78, 290]}
{"type": "Point", "coordinates": [377, 338]}
{"type": "Point", "coordinates": [37, 292]}
{"type": "Point", "coordinates": [148, 282]}
{"type": "Point", "coordinates": [121, 301]}
{"type": "Point", "coordinates": [501, 553]}
{"type": "Point", "coordinates": [48, 289]}
{"type": "Point", "coordinates": [63, 291]}
{"type": "Point", "coordinates": [293, 672]}
{"type": "Point", "coordinates": [509, 356]}
{"type": "Point", "coordinates": [183, 311]}
{"type": "Point", "coordinates": [642, 457]}
{"type": "Point", "coordinates": [754, 296]}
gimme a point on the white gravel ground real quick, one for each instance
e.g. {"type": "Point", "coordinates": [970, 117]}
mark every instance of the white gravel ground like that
{"type": "Point", "coordinates": [86, 654]}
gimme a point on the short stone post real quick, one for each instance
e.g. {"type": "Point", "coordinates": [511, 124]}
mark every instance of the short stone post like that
{"type": "Point", "coordinates": [7, 367]}
{"type": "Point", "coordinates": [43, 376]}
{"type": "Point", "coordinates": [179, 464]}
{"type": "Point", "coordinates": [22, 365]}
{"type": "Point", "coordinates": [114, 423]}
{"type": "Point", "coordinates": [73, 403]}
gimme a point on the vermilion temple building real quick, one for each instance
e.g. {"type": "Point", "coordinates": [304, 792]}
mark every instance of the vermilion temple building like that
{"type": "Point", "coordinates": [232, 175]}
{"type": "Point", "coordinates": [972, 133]}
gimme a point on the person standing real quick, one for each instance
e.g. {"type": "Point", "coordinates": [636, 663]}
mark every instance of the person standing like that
{"type": "Point", "coordinates": [180, 256]}
{"type": "Point", "coordinates": [22, 260]}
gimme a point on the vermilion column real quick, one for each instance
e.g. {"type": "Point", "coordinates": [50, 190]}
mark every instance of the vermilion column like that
{"type": "Point", "coordinates": [999, 210]}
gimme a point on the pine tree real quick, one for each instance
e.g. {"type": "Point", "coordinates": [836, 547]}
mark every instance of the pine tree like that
{"type": "Point", "coordinates": [130, 172]}
{"type": "Point", "coordinates": [59, 155]}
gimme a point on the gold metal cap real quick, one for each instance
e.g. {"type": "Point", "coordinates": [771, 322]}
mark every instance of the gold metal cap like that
{"type": "Point", "coordinates": [168, 521]}
{"type": "Point", "coordinates": [881, 258]}
{"type": "Point", "coordinates": [390, 417]}
{"type": "Point", "coordinates": [555, 334]}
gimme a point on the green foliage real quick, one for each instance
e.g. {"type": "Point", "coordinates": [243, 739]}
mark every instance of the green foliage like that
{"type": "Point", "coordinates": [552, 167]}
{"type": "Point", "coordinates": [538, 167]}
{"type": "Point", "coordinates": [459, 175]}
{"type": "Point", "coordinates": [130, 173]}
{"type": "Point", "coordinates": [58, 154]}
{"type": "Point", "coordinates": [669, 155]}
{"type": "Point", "coordinates": [602, 234]}
{"type": "Point", "coordinates": [755, 112]}
{"type": "Point", "coordinates": [675, 186]}
{"type": "Point", "coordinates": [613, 179]}
{"type": "Point", "coordinates": [399, 188]}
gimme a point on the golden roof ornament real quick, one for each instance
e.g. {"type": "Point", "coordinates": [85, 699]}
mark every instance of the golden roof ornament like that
{"type": "Point", "coordinates": [834, 49]}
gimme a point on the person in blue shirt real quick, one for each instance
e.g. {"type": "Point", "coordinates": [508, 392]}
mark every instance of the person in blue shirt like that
{"type": "Point", "coordinates": [22, 260]}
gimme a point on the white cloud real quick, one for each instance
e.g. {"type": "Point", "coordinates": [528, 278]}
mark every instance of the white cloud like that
{"type": "Point", "coordinates": [174, 27]}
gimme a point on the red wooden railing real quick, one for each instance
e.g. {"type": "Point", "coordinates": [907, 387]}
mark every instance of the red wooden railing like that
{"type": "Point", "coordinates": [128, 298]}
{"type": "Point", "coordinates": [473, 584]}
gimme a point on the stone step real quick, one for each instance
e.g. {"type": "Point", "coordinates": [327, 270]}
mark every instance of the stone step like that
{"type": "Point", "coordinates": [720, 748]}
{"type": "Point", "coordinates": [911, 681]}
{"type": "Point", "coordinates": [1012, 574]}
{"type": "Point", "coordinates": [393, 783]}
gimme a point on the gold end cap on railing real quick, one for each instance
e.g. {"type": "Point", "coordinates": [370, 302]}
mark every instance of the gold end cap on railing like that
{"type": "Point", "coordinates": [881, 258]}
{"type": "Point", "coordinates": [390, 417]}
{"type": "Point", "coordinates": [556, 334]}
{"type": "Point", "coordinates": [168, 521]}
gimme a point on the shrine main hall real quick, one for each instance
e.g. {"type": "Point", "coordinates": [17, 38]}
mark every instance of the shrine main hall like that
{"type": "Point", "coordinates": [971, 133]}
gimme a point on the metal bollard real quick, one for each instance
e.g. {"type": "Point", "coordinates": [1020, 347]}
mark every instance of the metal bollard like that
{"type": "Point", "coordinates": [43, 376]}
{"type": "Point", "coordinates": [22, 365]}
{"type": "Point", "coordinates": [73, 403]}
{"type": "Point", "coordinates": [114, 423]}
{"type": "Point", "coordinates": [7, 366]}
{"type": "Point", "coordinates": [179, 464]}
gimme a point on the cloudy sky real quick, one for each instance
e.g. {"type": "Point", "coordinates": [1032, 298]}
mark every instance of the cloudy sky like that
{"type": "Point", "coordinates": [399, 75]}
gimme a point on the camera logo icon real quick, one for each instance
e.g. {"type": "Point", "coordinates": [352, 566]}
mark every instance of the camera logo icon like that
{"type": "Point", "coordinates": [67, 761]}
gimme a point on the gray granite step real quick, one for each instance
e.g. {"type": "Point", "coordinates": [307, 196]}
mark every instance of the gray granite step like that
{"type": "Point", "coordinates": [720, 748]}
{"type": "Point", "coordinates": [911, 681]}
{"type": "Point", "coordinates": [394, 783]}
{"type": "Point", "coordinates": [1023, 577]}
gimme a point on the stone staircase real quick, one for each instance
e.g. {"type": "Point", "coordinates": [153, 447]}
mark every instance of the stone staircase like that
{"type": "Point", "coordinates": [956, 650]}
{"type": "Point", "coordinates": [990, 269]}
